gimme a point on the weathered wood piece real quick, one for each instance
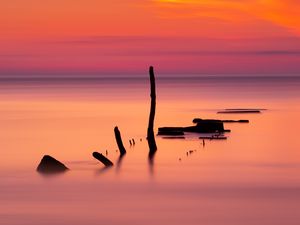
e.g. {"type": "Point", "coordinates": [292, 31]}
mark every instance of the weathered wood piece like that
{"type": "Point", "coordinates": [150, 131]}
{"type": "Point", "coordinates": [239, 111]}
{"type": "Point", "coordinates": [235, 121]}
{"type": "Point", "coordinates": [193, 129]}
{"type": "Point", "coordinates": [119, 141]}
{"type": "Point", "coordinates": [171, 132]}
{"type": "Point", "coordinates": [214, 138]}
{"type": "Point", "coordinates": [102, 159]}
{"type": "Point", "coordinates": [174, 137]}
{"type": "Point", "coordinates": [243, 109]}
{"type": "Point", "coordinates": [203, 126]}
{"type": "Point", "coordinates": [198, 120]}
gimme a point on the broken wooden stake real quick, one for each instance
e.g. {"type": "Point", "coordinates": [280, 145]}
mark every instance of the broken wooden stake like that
{"type": "Point", "coordinates": [102, 159]}
{"type": "Point", "coordinates": [150, 132]}
{"type": "Point", "coordinates": [119, 141]}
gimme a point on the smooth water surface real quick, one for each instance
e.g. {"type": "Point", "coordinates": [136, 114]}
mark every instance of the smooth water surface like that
{"type": "Point", "coordinates": [250, 178]}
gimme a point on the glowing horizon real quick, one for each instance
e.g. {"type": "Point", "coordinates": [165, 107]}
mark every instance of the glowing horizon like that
{"type": "Point", "coordinates": [187, 37]}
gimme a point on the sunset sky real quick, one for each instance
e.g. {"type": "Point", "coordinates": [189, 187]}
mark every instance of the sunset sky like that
{"type": "Point", "coordinates": [124, 37]}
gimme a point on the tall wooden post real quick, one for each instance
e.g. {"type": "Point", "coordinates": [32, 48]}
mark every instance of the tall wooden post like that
{"type": "Point", "coordinates": [119, 141]}
{"type": "Point", "coordinates": [150, 132]}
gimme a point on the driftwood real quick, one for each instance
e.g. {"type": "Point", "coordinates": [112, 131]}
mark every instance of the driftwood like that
{"type": "Point", "coordinates": [214, 138]}
{"type": "Point", "coordinates": [239, 111]}
{"type": "Point", "coordinates": [198, 120]}
{"type": "Point", "coordinates": [102, 159]}
{"type": "Point", "coordinates": [235, 121]}
{"type": "Point", "coordinates": [175, 137]}
{"type": "Point", "coordinates": [203, 126]}
{"type": "Point", "coordinates": [150, 132]}
{"type": "Point", "coordinates": [174, 131]}
{"type": "Point", "coordinates": [178, 131]}
{"type": "Point", "coordinates": [49, 164]}
{"type": "Point", "coordinates": [119, 141]}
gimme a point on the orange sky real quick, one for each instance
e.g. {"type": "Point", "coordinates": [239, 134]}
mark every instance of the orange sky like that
{"type": "Point", "coordinates": [104, 37]}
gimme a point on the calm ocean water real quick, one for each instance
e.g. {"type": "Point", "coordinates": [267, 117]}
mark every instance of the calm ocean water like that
{"type": "Point", "coordinates": [250, 178]}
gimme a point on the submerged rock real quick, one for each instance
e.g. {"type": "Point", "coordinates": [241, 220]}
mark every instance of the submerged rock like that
{"type": "Point", "coordinates": [49, 164]}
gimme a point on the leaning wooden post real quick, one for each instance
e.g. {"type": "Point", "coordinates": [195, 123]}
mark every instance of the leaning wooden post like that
{"type": "Point", "coordinates": [119, 141]}
{"type": "Point", "coordinates": [102, 159]}
{"type": "Point", "coordinates": [150, 132]}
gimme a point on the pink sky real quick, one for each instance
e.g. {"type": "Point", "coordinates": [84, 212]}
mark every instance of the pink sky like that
{"type": "Point", "coordinates": [124, 37]}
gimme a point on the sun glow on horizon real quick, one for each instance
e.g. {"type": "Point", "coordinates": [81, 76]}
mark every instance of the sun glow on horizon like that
{"type": "Point", "coordinates": [279, 12]}
{"type": "Point", "coordinates": [240, 36]}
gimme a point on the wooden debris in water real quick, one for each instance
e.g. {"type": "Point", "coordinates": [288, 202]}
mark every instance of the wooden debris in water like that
{"type": "Point", "coordinates": [239, 111]}
{"type": "Point", "coordinates": [244, 109]}
{"type": "Point", "coordinates": [213, 138]}
{"type": "Point", "coordinates": [235, 121]}
{"type": "Point", "coordinates": [119, 141]}
{"type": "Point", "coordinates": [180, 137]}
{"type": "Point", "coordinates": [150, 131]}
{"type": "Point", "coordinates": [102, 159]}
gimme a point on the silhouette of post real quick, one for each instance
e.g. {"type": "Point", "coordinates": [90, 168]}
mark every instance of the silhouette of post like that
{"type": "Point", "coordinates": [119, 141]}
{"type": "Point", "coordinates": [150, 132]}
{"type": "Point", "coordinates": [102, 159]}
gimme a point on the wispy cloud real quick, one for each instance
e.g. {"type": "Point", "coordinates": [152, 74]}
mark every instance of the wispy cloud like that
{"type": "Point", "coordinates": [283, 13]}
{"type": "Point", "coordinates": [118, 54]}
{"type": "Point", "coordinates": [184, 46]}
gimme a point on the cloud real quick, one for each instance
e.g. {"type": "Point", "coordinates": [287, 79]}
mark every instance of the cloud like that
{"type": "Point", "coordinates": [129, 54]}
{"type": "Point", "coordinates": [183, 46]}
{"type": "Point", "coordinates": [283, 13]}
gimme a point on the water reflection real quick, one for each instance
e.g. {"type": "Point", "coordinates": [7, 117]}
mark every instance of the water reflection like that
{"type": "Point", "coordinates": [103, 170]}
{"type": "Point", "coordinates": [257, 164]}
{"type": "Point", "coordinates": [53, 174]}
{"type": "Point", "coordinates": [151, 161]}
{"type": "Point", "coordinates": [119, 163]}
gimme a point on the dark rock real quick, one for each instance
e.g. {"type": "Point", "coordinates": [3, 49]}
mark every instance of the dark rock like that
{"type": "Point", "coordinates": [49, 164]}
